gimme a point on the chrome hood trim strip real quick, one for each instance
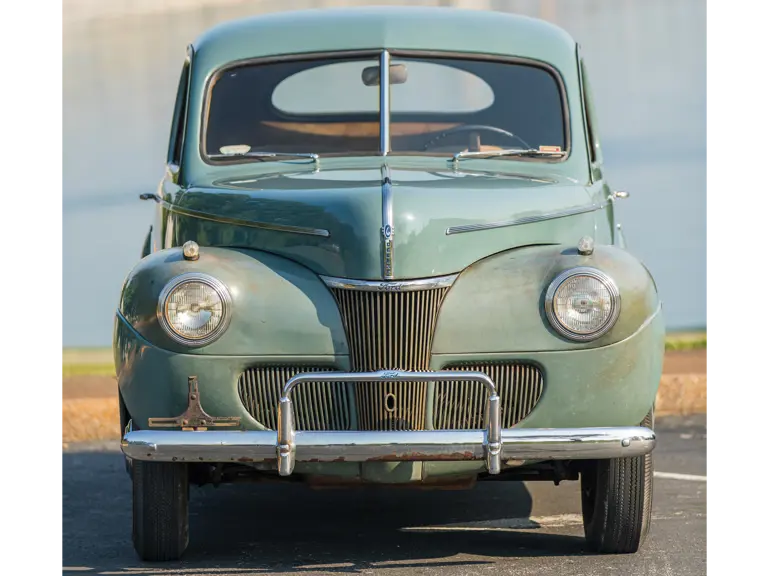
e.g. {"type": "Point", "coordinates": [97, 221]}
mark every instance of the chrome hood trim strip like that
{"type": "Point", "coordinates": [527, 219]}
{"type": "Point", "coordinates": [249, 223]}
{"type": "Point", "coordinates": [387, 225]}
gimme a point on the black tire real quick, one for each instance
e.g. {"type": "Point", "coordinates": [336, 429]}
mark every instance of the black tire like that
{"type": "Point", "coordinates": [616, 501]}
{"type": "Point", "coordinates": [160, 510]}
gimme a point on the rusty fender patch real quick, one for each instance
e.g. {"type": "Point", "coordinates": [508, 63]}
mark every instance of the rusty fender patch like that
{"type": "Point", "coordinates": [323, 460]}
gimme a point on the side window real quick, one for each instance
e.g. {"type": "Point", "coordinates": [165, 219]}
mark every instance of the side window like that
{"type": "Point", "coordinates": [594, 142]}
{"type": "Point", "coordinates": [179, 117]}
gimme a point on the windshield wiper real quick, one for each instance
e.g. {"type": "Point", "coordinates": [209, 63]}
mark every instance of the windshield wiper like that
{"type": "Point", "coordinates": [530, 152]}
{"type": "Point", "coordinates": [262, 156]}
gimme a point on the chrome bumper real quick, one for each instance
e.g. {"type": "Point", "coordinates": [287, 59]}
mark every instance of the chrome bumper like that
{"type": "Point", "coordinates": [287, 446]}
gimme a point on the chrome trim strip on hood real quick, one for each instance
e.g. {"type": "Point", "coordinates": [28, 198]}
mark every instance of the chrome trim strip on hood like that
{"type": "Point", "coordinates": [527, 219]}
{"type": "Point", "coordinates": [387, 225]}
{"type": "Point", "coordinates": [238, 222]}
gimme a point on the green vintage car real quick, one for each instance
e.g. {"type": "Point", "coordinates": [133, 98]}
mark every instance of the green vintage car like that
{"type": "Point", "coordinates": [386, 253]}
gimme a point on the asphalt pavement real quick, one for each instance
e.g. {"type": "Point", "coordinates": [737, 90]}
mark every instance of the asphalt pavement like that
{"type": "Point", "coordinates": [497, 528]}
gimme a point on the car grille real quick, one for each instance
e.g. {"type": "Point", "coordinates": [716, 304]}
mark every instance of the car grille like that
{"type": "Point", "coordinates": [461, 405]}
{"type": "Point", "coordinates": [317, 405]}
{"type": "Point", "coordinates": [390, 331]}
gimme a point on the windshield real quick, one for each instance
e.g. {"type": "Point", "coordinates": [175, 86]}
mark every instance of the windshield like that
{"type": "Point", "coordinates": [331, 106]}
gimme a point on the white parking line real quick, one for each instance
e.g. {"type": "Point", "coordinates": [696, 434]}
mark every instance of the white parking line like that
{"type": "Point", "coordinates": [675, 476]}
{"type": "Point", "coordinates": [503, 524]}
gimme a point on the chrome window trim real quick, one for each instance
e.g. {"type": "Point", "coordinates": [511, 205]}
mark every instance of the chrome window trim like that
{"type": "Point", "coordinates": [221, 290]}
{"type": "Point", "coordinates": [384, 94]}
{"type": "Point", "coordinates": [175, 155]}
{"type": "Point", "coordinates": [582, 271]}
{"type": "Point", "coordinates": [584, 115]}
{"type": "Point", "coordinates": [384, 115]}
{"type": "Point", "coordinates": [389, 286]}
{"type": "Point", "coordinates": [554, 72]}
{"type": "Point", "coordinates": [214, 76]}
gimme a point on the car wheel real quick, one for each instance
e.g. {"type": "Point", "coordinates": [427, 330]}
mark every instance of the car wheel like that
{"type": "Point", "coordinates": [616, 498]}
{"type": "Point", "coordinates": [160, 510]}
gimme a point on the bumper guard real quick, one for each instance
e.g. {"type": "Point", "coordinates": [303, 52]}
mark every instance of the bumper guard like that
{"type": "Point", "coordinates": [287, 446]}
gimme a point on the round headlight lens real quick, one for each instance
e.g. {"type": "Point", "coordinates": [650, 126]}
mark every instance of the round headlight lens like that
{"type": "Point", "coordinates": [582, 303]}
{"type": "Point", "coordinates": [194, 309]}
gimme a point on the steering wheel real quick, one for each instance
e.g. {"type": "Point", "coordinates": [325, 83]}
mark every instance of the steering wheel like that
{"type": "Point", "coordinates": [472, 128]}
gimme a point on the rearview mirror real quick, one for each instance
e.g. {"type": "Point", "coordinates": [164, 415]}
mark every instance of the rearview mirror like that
{"type": "Point", "coordinates": [398, 74]}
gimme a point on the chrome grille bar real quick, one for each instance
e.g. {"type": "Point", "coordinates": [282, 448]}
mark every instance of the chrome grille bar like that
{"type": "Point", "coordinates": [459, 405]}
{"type": "Point", "coordinates": [319, 406]}
{"type": "Point", "coordinates": [390, 330]}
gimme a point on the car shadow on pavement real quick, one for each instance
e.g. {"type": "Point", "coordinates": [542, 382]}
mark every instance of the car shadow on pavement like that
{"type": "Point", "coordinates": [289, 528]}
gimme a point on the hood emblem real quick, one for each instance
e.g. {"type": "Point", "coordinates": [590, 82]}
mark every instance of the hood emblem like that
{"type": "Point", "coordinates": [387, 226]}
{"type": "Point", "coordinates": [388, 247]}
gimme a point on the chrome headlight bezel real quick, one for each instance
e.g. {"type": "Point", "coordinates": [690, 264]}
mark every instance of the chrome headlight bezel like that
{"type": "Point", "coordinates": [609, 284]}
{"type": "Point", "coordinates": [216, 285]}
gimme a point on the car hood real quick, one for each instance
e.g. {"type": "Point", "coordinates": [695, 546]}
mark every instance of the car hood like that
{"type": "Point", "coordinates": [332, 220]}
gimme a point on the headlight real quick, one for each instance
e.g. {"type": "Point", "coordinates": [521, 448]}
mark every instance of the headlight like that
{"type": "Point", "coordinates": [194, 309]}
{"type": "Point", "coordinates": [582, 303]}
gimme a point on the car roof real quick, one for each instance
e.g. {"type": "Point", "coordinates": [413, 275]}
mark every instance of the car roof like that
{"type": "Point", "coordinates": [404, 28]}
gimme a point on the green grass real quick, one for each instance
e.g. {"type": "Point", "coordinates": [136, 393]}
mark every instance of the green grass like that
{"type": "Point", "coordinates": [98, 361]}
{"type": "Point", "coordinates": [686, 340]}
{"type": "Point", "coordinates": [87, 362]}
{"type": "Point", "coordinates": [88, 370]}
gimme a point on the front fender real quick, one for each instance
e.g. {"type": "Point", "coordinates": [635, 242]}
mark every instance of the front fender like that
{"type": "Point", "coordinates": [497, 304]}
{"type": "Point", "coordinates": [278, 306]}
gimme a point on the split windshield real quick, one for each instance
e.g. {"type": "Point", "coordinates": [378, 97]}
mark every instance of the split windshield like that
{"type": "Point", "coordinates": [331, 106]}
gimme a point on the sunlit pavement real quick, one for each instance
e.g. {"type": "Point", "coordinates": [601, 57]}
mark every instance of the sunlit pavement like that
{"type": "Point", "coordinates": [497, 528]}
